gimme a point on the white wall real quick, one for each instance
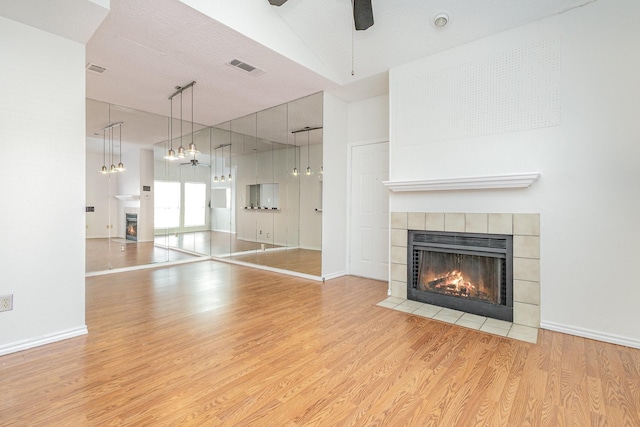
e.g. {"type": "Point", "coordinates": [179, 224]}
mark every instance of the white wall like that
{"type": "Point", "coordinates": [369, 120]}
{"type": "Point", "coordinates": [334, 194]}
{"type": "Point", "coordinates": [587, 196]}
{"type": "Point", "coordinates": [43, 109]}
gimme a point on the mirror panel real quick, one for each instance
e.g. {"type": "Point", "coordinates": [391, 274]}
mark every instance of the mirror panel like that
{"type": "Point", "coordinates": [261, 212]}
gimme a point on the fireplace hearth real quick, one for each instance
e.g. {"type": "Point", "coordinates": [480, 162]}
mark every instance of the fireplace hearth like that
{"type": "Point", "coordinates": [469, 272]}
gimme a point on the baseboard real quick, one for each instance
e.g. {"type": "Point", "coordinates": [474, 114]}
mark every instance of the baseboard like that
{"type": "Point", "coordinates": [335, 275]}
{"type": "Point", "coordinates": [594, 335]}
{"type": "Point", "coordinates": [45, 339]}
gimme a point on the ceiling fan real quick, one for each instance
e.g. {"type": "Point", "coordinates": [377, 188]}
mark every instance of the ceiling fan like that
{"type": "Point", "coordinates": [194, 163]}
{"type": "Point", "coordinates": [362, 12]}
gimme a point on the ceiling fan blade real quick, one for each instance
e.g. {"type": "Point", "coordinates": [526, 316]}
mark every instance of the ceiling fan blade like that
{"type": "Point", "coordinates": [277, 2]}
{"type": "Point", "coordinates": [362, 14]}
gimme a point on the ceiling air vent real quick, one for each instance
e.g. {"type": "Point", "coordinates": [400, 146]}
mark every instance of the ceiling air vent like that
{"type": "Point", "coordinates": [95, 68]}
{"type": "Point", "coordinates": [246, 67]}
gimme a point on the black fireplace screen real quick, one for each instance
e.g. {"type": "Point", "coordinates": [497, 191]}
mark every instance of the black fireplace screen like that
{"type": "Point", "coordinates": [464, 276]}
{"type": "Point", "coordinates": [464, 271]}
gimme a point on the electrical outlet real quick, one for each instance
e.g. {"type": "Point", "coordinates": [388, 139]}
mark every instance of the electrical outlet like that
{"type": "Point", "coordinates": [6, 302]}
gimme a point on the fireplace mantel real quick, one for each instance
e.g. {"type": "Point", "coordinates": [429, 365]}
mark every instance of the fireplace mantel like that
{"type": "Point", "coordinates": [518, 180]}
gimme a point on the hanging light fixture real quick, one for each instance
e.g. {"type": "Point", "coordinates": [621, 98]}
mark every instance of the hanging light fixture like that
{"type": "Point", "coordinates": [112, 169]}
{"type": "Point", "coordinates": [120, 167]}
{"type": "Point", "coordinates": [230, 152]}
{"type": "Point", "coordinates": [171, 155]}
{"type": "Point", "coordinates": [308, 164]}
{"type": "Point", "coordinates": [295, 155]}
{"type": "Point", "coordinates": [308, 130]}
{"type": "Point", "coordinates": [109, 127]}
{"type": "Point", "coordinates": [222, 174]}
{"type": "Point", "coordinates": [192, 147]}
{"type": "Point", "coordinates": [104, 169]}
{"type": "Point", "coordinates": [181, 152]}
{"type": "Point", "coordinates": [215, 160]}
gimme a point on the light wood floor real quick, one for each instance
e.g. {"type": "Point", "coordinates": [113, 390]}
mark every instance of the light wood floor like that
{"type": "Point", "coordinates": [106, 254]}
{"type": "Point", "coordinates": [221, 345]}
{"type": "Point", "coordinates": [300, 260]}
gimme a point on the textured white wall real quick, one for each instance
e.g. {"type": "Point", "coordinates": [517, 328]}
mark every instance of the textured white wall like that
{"type": "Point", "coordinates": [587, 195]}
{"type": "Point", "coordinates": [42, 215]}
{"type": "Point", "coordinates": [334, 194]}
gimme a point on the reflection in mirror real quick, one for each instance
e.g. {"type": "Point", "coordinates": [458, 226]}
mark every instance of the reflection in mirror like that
{"type": "Point", "coordinates": [252, 193]}
{"type": "Point", "coordinates": [118, 203]}
{"type": "Point", "coordinates": [279, 210]}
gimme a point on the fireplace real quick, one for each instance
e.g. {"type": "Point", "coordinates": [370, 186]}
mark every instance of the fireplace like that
{"type": "Point", "coordinates": [469, 272]}
{"type": "Point", "coordinates": [131, 227]}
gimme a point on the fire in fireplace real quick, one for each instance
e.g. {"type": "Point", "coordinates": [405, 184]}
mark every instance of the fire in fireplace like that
{"type": "Point", "coordinates": [464, 271]}
{"type": "Point", "coordinates": [131, 227]}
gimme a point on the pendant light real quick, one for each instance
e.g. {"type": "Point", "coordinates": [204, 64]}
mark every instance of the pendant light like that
{"type": "Point", "coordinates": [104, 152]}
{"type": "Point", "coordinates": [171, 155]}
{"type": "Point", "coordinates": [295, 155]}
{"type": "Point", "coordinates": [215, 161]}
{"type": "Point", "coordinates": [109, 127]}
{"type": "Point", "coordinates": [222, 173]}
{"type": "Point", "coordinates": [112, 169]}
{"type": "Point", "coordinates": [308, 164]}
{"type": "Point", "coordinates": [181, 151]}
{"type": "Point", "coordinates": [120, 167]}
{"type": "Point", "coordinates": [230, 152]}
{"type": "Point", "coordinates": [192, 147]}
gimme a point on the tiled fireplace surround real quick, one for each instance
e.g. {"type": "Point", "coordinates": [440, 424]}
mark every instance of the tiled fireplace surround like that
{"type": "Point", "coordinates": [525, 229]}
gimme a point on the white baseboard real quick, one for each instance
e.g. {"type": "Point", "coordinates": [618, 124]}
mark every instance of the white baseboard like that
{"type": "Point", "coordinates": [335, 275]}
{"type": "Point", "coordinates": [594, 335]}
{"type": "Point", "coordinates": [45, 339]}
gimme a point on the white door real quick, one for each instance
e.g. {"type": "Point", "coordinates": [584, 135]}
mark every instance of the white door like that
{"type": "Point", "coordinates": [369, 208]}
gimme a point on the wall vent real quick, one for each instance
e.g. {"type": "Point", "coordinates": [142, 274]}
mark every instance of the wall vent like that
{"type": "Point", "coordinates": [254, 71]}
{"type": "Point", "coordinates": [96, 69]}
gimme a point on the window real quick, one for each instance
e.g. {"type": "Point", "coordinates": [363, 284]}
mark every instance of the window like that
{"type": "Point", "coordinates": [167, 204]}
{"type": "Point", "coordinates": [195, 200]}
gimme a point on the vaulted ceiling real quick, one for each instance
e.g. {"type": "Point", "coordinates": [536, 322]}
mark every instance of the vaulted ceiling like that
{"type": "Point", "coordinates": [149, 47]}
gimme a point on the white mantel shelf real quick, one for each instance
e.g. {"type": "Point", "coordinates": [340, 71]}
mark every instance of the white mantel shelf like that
{"type": "Point", "coordinates": [518, 180]}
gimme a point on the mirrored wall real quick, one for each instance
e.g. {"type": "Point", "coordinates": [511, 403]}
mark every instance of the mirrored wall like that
{"type": "Point", "coordinates": [252, 193]}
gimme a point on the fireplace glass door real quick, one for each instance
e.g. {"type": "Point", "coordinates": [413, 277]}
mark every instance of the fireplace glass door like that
{"type": "Point", "coordinates": [468, 272]}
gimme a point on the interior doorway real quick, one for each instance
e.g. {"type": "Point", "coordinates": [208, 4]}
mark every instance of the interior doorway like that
{"type": "Point", "coordinates": [369, 211]}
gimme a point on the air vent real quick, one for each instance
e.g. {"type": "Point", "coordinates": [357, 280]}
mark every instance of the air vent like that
{"type": "Point", "coordinates": [95, 68]}
{"type": "Point", "coordinates": [246, 67]}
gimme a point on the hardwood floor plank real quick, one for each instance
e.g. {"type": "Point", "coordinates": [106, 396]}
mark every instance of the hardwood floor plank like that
{"type": "Point", "coordinates": [217, 344]}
